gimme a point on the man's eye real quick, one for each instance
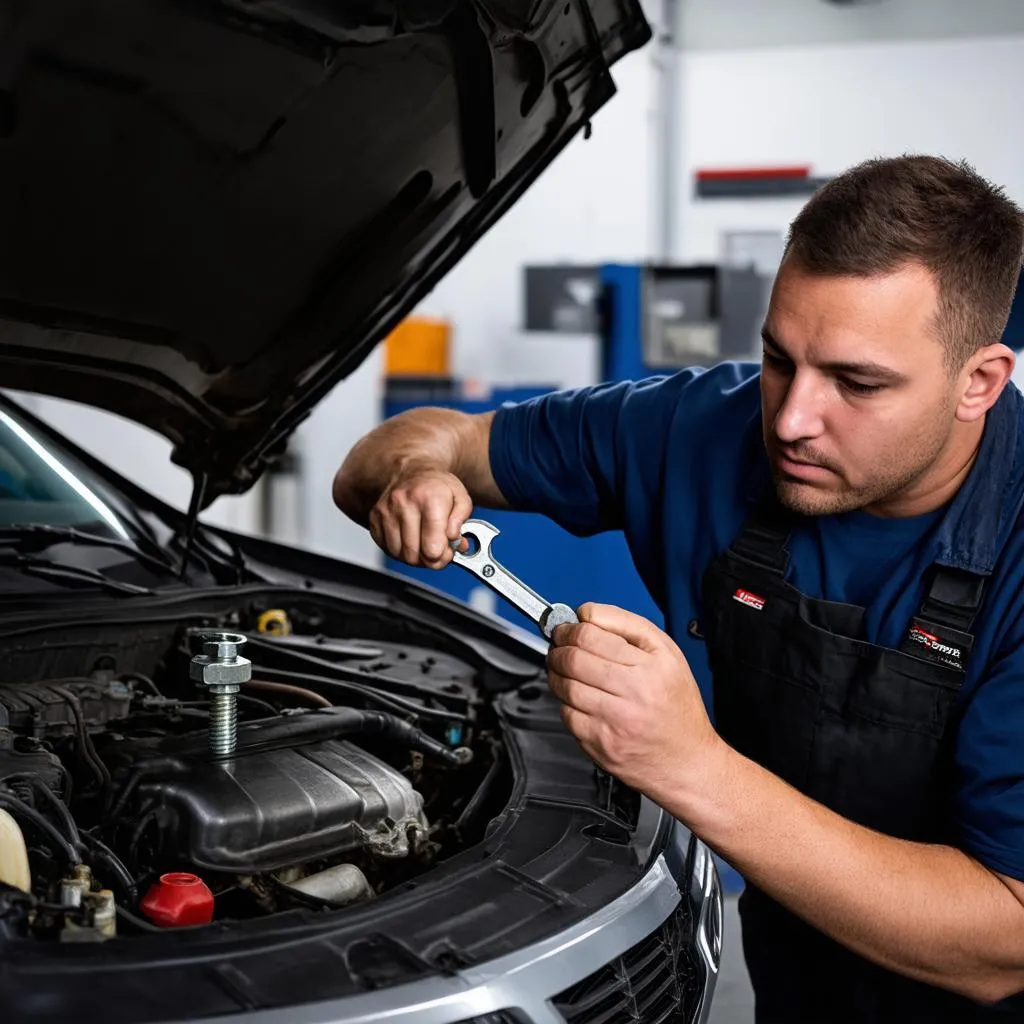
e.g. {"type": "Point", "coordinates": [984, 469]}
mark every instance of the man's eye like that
{"type": "Point", "coordinates": [776, 362]}
{"type": "Point", "coordinates": [857, 388]}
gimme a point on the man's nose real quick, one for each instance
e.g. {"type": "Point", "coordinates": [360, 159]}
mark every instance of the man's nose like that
{"type": "Point", "coordinates": [800, 415]}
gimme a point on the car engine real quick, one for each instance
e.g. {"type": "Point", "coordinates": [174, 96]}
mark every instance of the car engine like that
{"type": "Point", "coordinates": [317, 773]}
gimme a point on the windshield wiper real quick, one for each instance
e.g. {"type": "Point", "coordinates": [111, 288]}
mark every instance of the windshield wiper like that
{"type": "Point", "coordinates": [37, 536]}
{"type": "Point", "coordinates": [34, 566]}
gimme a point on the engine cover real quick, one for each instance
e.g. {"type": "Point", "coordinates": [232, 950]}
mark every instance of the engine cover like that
{"type": "Point", "coordinates": [43, 709]}
{"type": "Point", "coordinates": [268, 809]}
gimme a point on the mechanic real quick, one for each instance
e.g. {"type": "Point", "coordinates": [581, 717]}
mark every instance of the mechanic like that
{"type": "Point", "coordinates": [836, 540]}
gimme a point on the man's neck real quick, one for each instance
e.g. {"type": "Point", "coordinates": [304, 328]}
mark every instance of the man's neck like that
{"type": "Point", "coordinates": [940, 482]}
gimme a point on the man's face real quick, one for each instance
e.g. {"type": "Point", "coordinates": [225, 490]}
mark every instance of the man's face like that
{"type": "Point", "coordinates": [856, 400]}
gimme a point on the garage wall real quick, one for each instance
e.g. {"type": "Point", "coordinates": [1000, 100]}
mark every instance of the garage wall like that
{"type": "Point", "coordinates": [832, 106]}
{"type": "Point", "coordinates": [753, 24]}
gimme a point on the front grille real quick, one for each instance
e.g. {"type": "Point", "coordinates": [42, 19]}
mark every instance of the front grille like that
{"type": "Point", "coordinates": [490, 1018]}
{"type": "Point", "coordinates": [655, 982]}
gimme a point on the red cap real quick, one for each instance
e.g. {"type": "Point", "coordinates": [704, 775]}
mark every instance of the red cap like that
{"type": "Point", "coordinates": [178, 898]}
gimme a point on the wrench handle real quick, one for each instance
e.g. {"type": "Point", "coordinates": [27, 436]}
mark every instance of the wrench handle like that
{"type": "Point", "coordinates": [481, 563]}
{"type": "Point", "coordinates": [520, 596]}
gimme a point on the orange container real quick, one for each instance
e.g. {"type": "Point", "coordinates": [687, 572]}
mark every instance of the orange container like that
{"type": "Point", "coordinates": [418, 347]}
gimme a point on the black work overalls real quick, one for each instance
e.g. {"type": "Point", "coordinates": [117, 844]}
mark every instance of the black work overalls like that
{"type": "Point", "coordinates": [865, 730]}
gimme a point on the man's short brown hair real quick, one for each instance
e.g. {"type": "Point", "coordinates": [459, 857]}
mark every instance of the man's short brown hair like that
{"type": "Point", "coordinates": [885, 214]}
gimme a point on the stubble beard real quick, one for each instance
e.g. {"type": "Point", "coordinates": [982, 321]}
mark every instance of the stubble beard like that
{"type": "Point", "coordinates": [808, 500]}
{"type": "Point", "coordinates": [889, 481]}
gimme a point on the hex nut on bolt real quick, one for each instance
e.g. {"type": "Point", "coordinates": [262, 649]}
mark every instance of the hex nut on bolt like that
{"type": "Point", "coordinates": [222, 671]}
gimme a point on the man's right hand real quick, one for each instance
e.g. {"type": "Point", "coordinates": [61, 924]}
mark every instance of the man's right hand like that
{"type": "Point", "coordinates": [413, 482]}
{"type": "Point", "coordinates": [419, 515]}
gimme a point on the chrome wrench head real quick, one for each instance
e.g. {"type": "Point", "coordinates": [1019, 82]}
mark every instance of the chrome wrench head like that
{"type": "Point", "coordinates": [479, 561]}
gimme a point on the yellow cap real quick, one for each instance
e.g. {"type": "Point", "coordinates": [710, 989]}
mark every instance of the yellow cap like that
{"type": "Point", "coordinates": [274, 622]}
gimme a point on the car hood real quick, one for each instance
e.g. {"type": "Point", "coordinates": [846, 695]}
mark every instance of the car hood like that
{"type": "Point", "coordinates": [214, 209]}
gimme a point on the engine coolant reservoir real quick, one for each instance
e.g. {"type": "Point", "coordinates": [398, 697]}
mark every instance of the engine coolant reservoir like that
{"type": "Point", "coordinates": [14, 869]}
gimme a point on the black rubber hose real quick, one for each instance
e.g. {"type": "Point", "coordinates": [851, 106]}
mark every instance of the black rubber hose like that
{"type": "Point", "coordinates": [58, 805]}
{"type": "Point", "coordinates": [262, 705]}
{"type": "Point", "coordinates": [365, 690]}
{"type": "Point", "coordinates": [138, 677]}
{"type": "Point", "coordinates": [138, 922]}
{"type": "Point", "coordinates": [346, 679]}
{"type": "Point", "coordinates": [107, 856]}
{"type": "Point", "coordinates": [88, 750]}
{"type": "Point", "coordinates": [20, 809]}
{"type": "Point", "coordinates": [393, 728]}
{"type": "Point", "coordinates": [268, 709]}
{"type": "Point", "coordinates": [313, 727]}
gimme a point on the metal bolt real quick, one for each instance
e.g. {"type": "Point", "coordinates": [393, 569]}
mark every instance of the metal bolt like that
{"type": "Point", "coordinates": [104, 916]}
{"type": "Point", "coordinates": [75, 888]}
{"type": "Point", "coordinates": [222, 650]}
{"type": "Point", "coordinates": [222, 671]}
{"type": "Point", "coordinates": [223, 722]}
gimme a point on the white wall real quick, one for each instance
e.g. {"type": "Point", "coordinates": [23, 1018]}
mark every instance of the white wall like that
{"type": "Point", "coordinates": [736, 24]}
{"type": "Point", "coordinates": [349, 411]}
{"type": "Point", "coordinates": [832, 106]}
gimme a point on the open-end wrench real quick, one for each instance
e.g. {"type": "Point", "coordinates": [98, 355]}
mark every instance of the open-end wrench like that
{"type": "Point", "coordinates": [480, 562]}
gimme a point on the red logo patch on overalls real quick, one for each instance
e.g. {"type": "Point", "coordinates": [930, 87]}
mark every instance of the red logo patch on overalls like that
{"type": "Point", "coordinates": [931, 641]}
{"type": "Point", "coordinates": [747, 598]}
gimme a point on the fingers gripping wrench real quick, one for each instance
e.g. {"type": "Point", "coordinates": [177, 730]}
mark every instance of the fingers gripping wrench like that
{"type": "Point", "coordinates": [481, 563]}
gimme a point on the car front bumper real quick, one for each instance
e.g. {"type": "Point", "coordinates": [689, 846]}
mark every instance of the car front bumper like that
{"type": "Point", "coordinates": [650, 955]}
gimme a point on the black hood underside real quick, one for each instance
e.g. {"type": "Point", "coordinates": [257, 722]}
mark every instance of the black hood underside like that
{"type": "Point", "coordinates": [213, 209]}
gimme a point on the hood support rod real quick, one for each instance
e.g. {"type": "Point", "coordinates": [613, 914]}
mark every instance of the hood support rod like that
{"type": "Point", "coordinates": [199, 484]}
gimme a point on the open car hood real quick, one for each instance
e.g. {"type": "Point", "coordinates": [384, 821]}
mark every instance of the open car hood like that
{"type": "Point", "coordinates": [213, 209]}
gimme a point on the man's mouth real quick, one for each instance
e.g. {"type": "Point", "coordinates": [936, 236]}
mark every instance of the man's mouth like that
{"type": "Point", "coordinates": [800, 469]}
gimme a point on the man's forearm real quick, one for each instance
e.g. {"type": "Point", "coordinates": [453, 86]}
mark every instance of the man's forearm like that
{"type": "Point", "coordinates": [444, 440]}
{"type": "Point", "coordinates": [930, 912]}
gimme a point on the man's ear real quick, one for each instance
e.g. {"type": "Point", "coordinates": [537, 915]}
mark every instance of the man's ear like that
{"type": "Point", "coordinates": [984, 376]}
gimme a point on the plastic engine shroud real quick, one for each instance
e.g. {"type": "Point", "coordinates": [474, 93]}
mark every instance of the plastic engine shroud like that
{"type": "Point", "coordinates": [267, 809]}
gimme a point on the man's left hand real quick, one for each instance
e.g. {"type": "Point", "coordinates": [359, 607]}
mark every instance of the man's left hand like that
{"type": "Point", "coordinates": [629, 698]}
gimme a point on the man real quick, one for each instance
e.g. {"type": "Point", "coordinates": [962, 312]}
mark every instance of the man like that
{"type": "Point", "coordinates": [837, 542]}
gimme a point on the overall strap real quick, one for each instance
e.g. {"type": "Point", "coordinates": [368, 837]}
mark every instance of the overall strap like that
{"type": "Point", "coordinates": [953, 598]}
{"type": "Point", "coordinates": [941, 630]}
{"type": "Point", "coordinates": [764, 535]}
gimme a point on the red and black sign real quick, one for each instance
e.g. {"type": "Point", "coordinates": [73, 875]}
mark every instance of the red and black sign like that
{"type": "Point", "coordinates": [756, 182]}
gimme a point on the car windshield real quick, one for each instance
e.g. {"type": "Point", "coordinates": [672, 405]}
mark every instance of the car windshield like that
{"type": "Point", "coordinates": [39, 485]}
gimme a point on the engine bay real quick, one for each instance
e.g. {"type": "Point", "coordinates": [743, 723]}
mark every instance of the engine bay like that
{"type": "Point", "coordinates": [146, 783]}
